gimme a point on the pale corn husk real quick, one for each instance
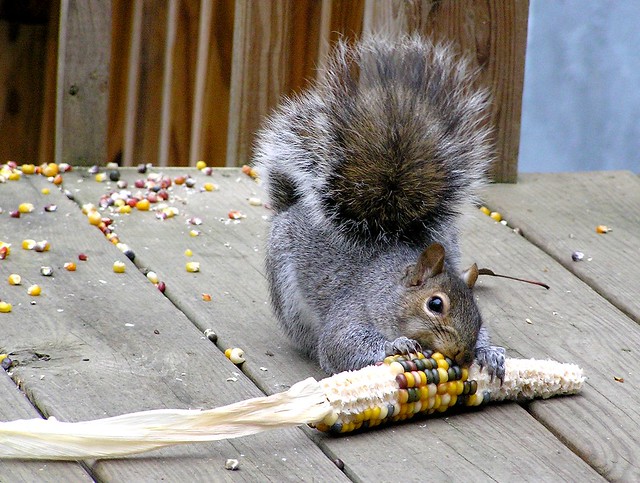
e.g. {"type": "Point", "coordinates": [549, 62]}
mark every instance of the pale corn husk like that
{"type": "Point", "coordinates": [307, 402]}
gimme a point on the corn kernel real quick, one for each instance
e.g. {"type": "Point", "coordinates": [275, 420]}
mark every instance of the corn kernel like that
{"type": "Point", "coordinates": [235, 355]}
{"type": "Point", "coordinates": [209, 187]}
{"type": "Point", "coordinates": [28, 168]}
{"type": "Point", "coordinates": [201, 165]}
{"type": "Point", "coordinates": [188, 253]}
{"type": "Point", "coordinates": [42, 246]}
{"type": "Point", "coordinates": [5, 307]}
{"type": "Point", "coordinates": [70, 266]}
{"type": "Point", "coordinates": [193, 233]}
{"type": "Point", "coordinates": [495, 216]}
{"type": "Point", "coordinates": [50, 169]}
{"type": "Point", "coordinates": [119, 267]}
{"type": "Point", "coordinates": [206, 297]}
{"type": "Point", "coordinates": [15, 279]}
{"type": "Point", "coordinates": [28, 244]}
{"type": "Point", "coordinates": [124, 209]}
{"type": "Point", "coordinates": [34, 290]}
{"type": "Point", "coordinates": [193, 267]}
{"type": "Point", "coordinates": [143, 205]}
{"type": "Point", "coordinates": [45, 191]}
{"type": "Point", "coordinates": [94, 218]}
{"type": "Point", "coordinates": [602, 229]}
{"type": "Point", "coordinates": [485, 210]}
{"type": "Point", "coordinates": [152, 276]}
{"type": "Point", "coordinates": [25, 207]}
{"type": "Point", "coordinates": [100, 177]}
{"type": "Point", "coordinates": [57, 179]}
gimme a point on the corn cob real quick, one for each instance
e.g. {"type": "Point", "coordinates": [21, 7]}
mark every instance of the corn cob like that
{"type": "Point", "coordinates": [394, 390]}
{"type": "Point", "coordinates": [425, 383]}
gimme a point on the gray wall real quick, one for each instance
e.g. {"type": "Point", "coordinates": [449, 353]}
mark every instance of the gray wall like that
{"type": "Point", "coordinates": [581, 100]}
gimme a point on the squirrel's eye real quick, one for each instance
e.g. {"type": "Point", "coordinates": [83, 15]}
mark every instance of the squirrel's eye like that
{"type": "Point", "coordinates": [435, 305]}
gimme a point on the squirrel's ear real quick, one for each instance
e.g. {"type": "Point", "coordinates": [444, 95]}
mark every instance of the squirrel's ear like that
{"type": "Point", "coordinates": [430, 264]}
{"type": "Point", "coordinates": [470, 275]}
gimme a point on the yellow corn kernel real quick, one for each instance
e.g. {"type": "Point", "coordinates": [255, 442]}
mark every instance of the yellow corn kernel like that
{"type": "Point", "coordinates": [495, 216]}
{"type": "Point", "coordinates": [119, 267]}
{"type": "Point", "coordinates": [193, 267]}
{"type": "Point", "coordinates": [5, 307]}
{"type": "Point", "coordinates": [28, 168]}
{"type": "Point", "coordinates": [15, 279]}
{"type": "Point", "coordinates": [25, 207]}
{"type": "Point", "coordinates": [34, 290]}
{"type": "Point", "coordinates": [201, 165]}
{"type": "Point", "coordinates": [485, 210]}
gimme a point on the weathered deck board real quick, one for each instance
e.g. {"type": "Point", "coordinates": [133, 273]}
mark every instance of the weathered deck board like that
{"type": "Point", "coordinates": [560, 212]}
{"type": "Point", "coordinates": [572, 323]}
{"type": "Point", "coordinates": [79, 360]}
{"type": "Point", "coordinates": [14, 405]}
{"type": "Point", "coordinates": [501, 442]}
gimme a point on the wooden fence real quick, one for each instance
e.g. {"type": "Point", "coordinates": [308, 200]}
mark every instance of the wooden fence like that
{"type": "Point", "coordinates": [174, 81]}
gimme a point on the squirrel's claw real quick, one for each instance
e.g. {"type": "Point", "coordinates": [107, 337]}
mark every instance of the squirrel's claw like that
{"type": "Point", "coordinates": [492, 358]}
{"type": "Point", "coordinates": [402, 345]}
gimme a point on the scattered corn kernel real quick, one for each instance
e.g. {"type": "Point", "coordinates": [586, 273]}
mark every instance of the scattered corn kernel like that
{"type": "Point", "coordinates": [485, 210]}
{"type": "Point", "coordinates": [206, 297]}
{"type": "Point", "coordinates": [143, 205]}
{"type": "Point", "coordinates": [57, 179]}
{"type": "Point", "coordinates": [124, 209]}
{"type": "Point", "coordinates": [15, 279]}
{"type": "Point", "coordinates": [193, 267]}
{"type": "Point", "coordinates": [100, 177]}
{"type": "Point", "coordinates": [496, 216]}
{"type": "Point", "coordinates": [34, 290]}
{"type": "Point", "coordinates": [255, 201]}
{"type": "Point", "coordinates": [235, 355]}
{"type": "Point", "coordinates": [5, 250]}
{"type": "Point", "coordinates": [603, 229]}
{"type": "Point", "coordinates": [46, 271]}
{"type": "Point", "coordinates": [50, 169]}
{"type": "Point", "coordinates": [236, 215]}
{"type": "Point", "coordinates": [188, 252]}
{"type": "Point", "coordinates": [45, 191]}
{"type": "Point", "coordinates": [25, 207]}
{"type": "Point", "coordinates": [5, 307]}
{"type": "Point", "coordinates": [70, 266]}
{"type": "Point", "coordinates": [83, 257]}
{"type": "Point", "coordinates": [249, 171]}
{"type": "Point", "coordinates": [209, 187]}
{"type": "Point", "coordinates": [42, 246]}
{"type": "Point", "coordinates": [153, 277]}
{"type": "Point", "coordinates": [94, 218]}
{"type": "Point", "coordinates": [28, 168]}
{"type": "Point", "coordinates": [201, 165]}
{"type": "Point", "coordinates": [194, 233]}
{"type": "Point", "coordinates": [119, 267]}
{"type": "Point", "coordinates": [88, 208]}
{"type": "Point", "coordinates": [28, 244]}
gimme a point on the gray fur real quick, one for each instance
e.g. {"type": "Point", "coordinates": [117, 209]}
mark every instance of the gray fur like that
{"type": "Point", "coordinates": [364, 172]}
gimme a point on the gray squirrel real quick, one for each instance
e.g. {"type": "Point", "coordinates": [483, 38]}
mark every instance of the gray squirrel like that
{"type": "Point", "coordinates": [367, 173]}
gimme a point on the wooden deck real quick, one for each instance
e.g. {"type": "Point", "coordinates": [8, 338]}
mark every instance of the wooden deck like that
{"type": "Point", "coordinates": [97, 343]}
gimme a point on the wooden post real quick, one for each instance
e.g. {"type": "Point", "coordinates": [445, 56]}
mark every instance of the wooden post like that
{"type": "Point", "coordinates": [84, 49]}
{"type": "Point", "coordinates": [493, 34]}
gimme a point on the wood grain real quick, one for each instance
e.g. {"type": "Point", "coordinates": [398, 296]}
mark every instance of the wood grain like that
{"type": "Point", "coordinates": [560, 212]}
{"type": "Point", "coordinates": [481, 445]}
{"type": "Point", "coordinates": [493, 34]}
{"type": "Point", "coordinates": [84, 49]}
{"type": "Point", "coordinates": [99, 343]}
{"type": "Point", "coordinates": [211, 123]}
{"type": "Point", "coordinates": [273, 51]}
{"type": "Point", "coordinates": [22, 82]}
{"type": "Point", "coordinates": [572, 323]}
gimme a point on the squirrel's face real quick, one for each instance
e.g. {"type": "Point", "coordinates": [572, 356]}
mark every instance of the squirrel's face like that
{"type": "Point", "coordinates": [439, 310]}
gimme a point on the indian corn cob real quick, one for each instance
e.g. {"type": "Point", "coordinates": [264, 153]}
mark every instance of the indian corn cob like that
{"type": "Point", "coordinates": [396, 389]}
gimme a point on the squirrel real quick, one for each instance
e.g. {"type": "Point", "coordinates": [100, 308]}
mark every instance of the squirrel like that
{"type": "Point", "coordinates": [367, 173]}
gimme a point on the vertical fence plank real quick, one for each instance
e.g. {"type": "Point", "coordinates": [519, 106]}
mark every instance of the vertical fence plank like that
{"type": "Point", "coordinates": [133, 72]}
{"type": "Point", "coordinates": [494, 34]}
{"type": "Point", "coordinates": [340, 19]}
{"type": "Point", "coordinates": [167, 83]}
{"type": "Point", "coordinates": [183, 81]}
{"type": "Point", "coordinates": [211, 125]}
{"type": "Point", "coordinates": [121, 47]}
{"type": "Point", "coordinates": [269, 39]}
{"type": "Point", "coordinates": [84, 44]}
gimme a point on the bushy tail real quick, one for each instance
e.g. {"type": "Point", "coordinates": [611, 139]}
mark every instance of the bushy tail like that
{"type": "Point", "coordinates": [387, 145]}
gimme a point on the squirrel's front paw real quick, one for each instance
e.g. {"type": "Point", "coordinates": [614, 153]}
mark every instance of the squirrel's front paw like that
{"type": "Point", "coordinates": [492, 358]}
{"type": "Point", "coordinates": [402, 345]}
